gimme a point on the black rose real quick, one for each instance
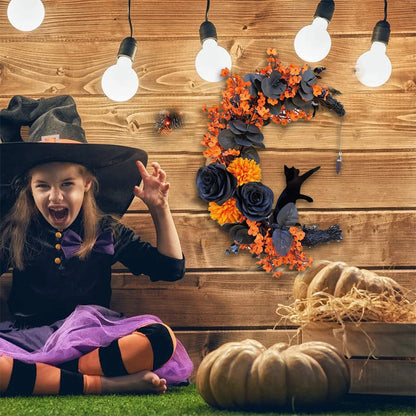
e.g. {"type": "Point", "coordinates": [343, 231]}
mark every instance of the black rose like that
{"type": "Point", "coordinates": [215, 183]}
{"type": "Point", "coordinates": [254, 200]}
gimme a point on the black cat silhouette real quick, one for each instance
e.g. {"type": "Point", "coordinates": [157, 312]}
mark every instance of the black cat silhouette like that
{"type": "Point", "coordinates": [292, 191]}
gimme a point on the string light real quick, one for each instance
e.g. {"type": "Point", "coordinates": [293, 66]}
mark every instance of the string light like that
{"type": "Point", "coordinates": [26, 15]}
{"type": "Point", "coordinates": [120, 82]}
{"type": "Point", "coordinates": [312, 42]}
{"type": "Point", "coordinates": [211, 59]}
{"type": "Point", "coordinates": [373, 68]}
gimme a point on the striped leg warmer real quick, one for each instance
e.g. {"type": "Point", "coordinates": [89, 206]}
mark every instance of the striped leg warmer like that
{"type": "Point", "coordinates": [147, 348]}
{"type": "Point", "coordinates": [19, 378]}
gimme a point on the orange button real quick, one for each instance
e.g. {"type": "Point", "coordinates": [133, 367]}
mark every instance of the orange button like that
{"type": "Point", "coordinates": [58, 260]}
{"type": "Point", "coordinates": [58, 234]}
{"type": "Point", "coordinates": [58, 246]}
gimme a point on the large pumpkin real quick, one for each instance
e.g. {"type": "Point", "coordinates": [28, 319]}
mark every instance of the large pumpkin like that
{"type": "Point", "coordinates": [246, 375]}
{"type": "Point", "coordinates": [337, 278]}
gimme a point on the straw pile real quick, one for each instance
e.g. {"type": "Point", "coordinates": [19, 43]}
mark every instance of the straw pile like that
{"type": "Point", "coordinates": [336, 292]}
{"type": "Point", "coordinates": [358, 305]}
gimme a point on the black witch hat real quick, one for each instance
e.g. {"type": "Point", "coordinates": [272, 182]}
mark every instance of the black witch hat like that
{"type": "Point", "coordinates": [56, 135]}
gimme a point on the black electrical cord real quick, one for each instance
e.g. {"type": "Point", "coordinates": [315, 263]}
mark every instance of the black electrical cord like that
{"type": "Point", "coordinates": [128, 11]}
{"type": "Point", "coordinates": [206, 12]}
{"type": "Point", "coordinates": [385, 10]}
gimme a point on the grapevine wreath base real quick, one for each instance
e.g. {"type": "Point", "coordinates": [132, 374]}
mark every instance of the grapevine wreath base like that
{"type": "Point", "coordinates": [231, 180]}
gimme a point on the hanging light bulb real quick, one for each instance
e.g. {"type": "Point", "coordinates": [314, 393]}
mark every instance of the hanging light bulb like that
{"type": "Point", "coordinates": [26, 15]}
{"type": "Point", "coordinates": [211, 59]}
{"type": "Point", "coordinates": [120, 82]}
{"type": "Point", "coordinates": [373, 68]}
{"type": "Point", "coordinates": [312, 42]}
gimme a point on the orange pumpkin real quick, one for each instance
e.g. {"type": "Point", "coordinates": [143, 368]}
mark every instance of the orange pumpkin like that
{"type": "Point", "coordinates": [246, 375]}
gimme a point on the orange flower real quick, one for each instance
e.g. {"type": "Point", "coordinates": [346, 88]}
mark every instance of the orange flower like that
{"type": "Point", "coordinates": [245, 170]}
{"type": "Point", "coordinates": [245, 105]}
{"type": "Point", "coordinates": [213, 152]}
{"type": "Point", "coordinates": [262, 99]}
{"type": "Point", "coordinates": [231, 152]}
{"type": "Point", "coordinates": [293, 115]}
{"type": "Point", "coordinates": [271, 51]}
{"type": "Point", "coordinates": [254, 227]}
{"type": "Point", "coordinates": [263, 112]}
{"type": "Point", "coordinates": [225, 72]}
{"type": "Point", "coordinates": [245, 95]}
{"type": "Point", "coordinates": [317, 90]}
{"type": "Point", "coordinates": [257, 246]}
{"type": "Point", "coordinates": [225, 213]}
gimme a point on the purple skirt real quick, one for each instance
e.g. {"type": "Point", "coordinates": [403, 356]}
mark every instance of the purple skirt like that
{"type": "Point", "coordinates": [87, 328]}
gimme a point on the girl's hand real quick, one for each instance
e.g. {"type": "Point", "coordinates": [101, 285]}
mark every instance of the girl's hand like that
{"type": "Point", "coordinates": [154, 192]}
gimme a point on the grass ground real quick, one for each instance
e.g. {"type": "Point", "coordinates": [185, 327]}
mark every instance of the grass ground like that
{"type": "Point", "coordinates": [185, 401]}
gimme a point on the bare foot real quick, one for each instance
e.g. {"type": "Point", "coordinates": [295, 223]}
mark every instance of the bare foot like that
{"type": "Point", "coordinates": [141, 382]}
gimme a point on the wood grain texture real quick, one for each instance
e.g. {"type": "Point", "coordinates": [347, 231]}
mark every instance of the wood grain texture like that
{"type": "Point", "coordinates": [172, 19]}
{"type": "Point", "coordinates": [226, 297]}
{"type": "Point", "coordinates": [210, 299]}
{"type": "Point", "coordinates": [367, 180]}
{"type": "Point", "coordinates": [234, 299]}
{"type": "Point", "coordinates": [371, 239]}
{"type": "Point", "coordinates": [59, 67]}
{"type": "Point", "coordinates": [384, 121]}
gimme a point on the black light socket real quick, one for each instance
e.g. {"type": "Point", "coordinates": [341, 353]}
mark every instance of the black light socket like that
{"type": "Point", "coordinates": [381, 32]}
{"type": "Point", "coordinates": [207, 30]}
{"type": "Point", "coordinates": [325, 9]}
{"type": "Point", "coordinates": [128, 47]}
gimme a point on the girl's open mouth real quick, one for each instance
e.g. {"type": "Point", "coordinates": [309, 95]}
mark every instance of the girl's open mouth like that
{"type": "Point", "coordinates": [59, 214]}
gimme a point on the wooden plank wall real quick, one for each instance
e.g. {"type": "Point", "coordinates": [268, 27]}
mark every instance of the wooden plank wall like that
{"type": "Point", "coordinates": [225, 297]}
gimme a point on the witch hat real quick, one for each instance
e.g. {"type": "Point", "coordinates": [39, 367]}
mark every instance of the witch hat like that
{"type": "Point", "coordinates": [56, 135]}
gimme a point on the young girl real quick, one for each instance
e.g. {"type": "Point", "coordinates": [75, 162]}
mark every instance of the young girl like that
{"type": "Point", "coordinates": [56, 192]}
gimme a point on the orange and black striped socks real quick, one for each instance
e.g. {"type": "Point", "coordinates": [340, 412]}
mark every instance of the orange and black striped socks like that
{"type": "Point", "coordinates": [19, 378]}
{"type": "Point", "coordinates": [147, 348]}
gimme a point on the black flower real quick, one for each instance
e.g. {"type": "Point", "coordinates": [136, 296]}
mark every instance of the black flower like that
{"type": "Point", "coordinates": [274, 109]}
{"type": "Point", "coordinates": [288, 215]}
{"type": "Point", "coordinates": [305, 88]}
{"type": "Point", "coordinates": [246, 134]}
{"type": "Point", "coordinates": [215, 183]}
{"type": "Point", "coordinates": [254, 200]}
{"type": "Point", "coordinates": [239, 233]}
{"type": "Point", "coordinates": [297, 102]}
{"type": "Point", "coordinates": [255, 80]}
{"type": "Point", "coordinates": [226, 139]}
{"type": "Point", "coordinates": [282, 241]}
{"type": "Point", "coordinates": [274, 85]}
{"type": "Point", "coordinates": [303, 99]}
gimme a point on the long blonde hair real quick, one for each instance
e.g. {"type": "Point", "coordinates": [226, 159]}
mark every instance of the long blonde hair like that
{"type": "Point", "coordinates": [14, 227]}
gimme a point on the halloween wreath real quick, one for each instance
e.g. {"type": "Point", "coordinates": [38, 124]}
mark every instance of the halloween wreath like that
{"type": "Point", "coordinates": [230, 181]}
